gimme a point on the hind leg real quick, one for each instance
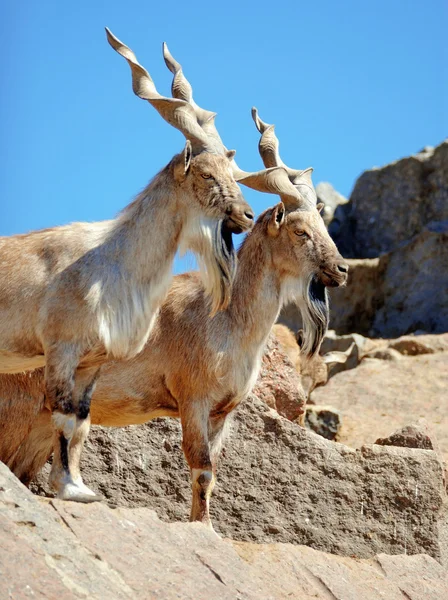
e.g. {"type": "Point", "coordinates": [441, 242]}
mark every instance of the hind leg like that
{"type": "Point", "coordinates": [69, 391]}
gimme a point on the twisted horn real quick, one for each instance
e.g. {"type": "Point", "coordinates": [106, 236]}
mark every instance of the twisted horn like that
{"type": "Point", "coordinates": [181, 89]}
{"type": "Point", "coordinates": [273, 180]}
{"type": "Point", "coordinates": [177, 112]}
{"type": "Point", "coordinates": [301, 181]}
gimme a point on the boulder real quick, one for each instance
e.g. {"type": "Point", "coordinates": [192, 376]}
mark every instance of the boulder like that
{"type": "Point", "coordinates": [413, 345]}
{"type": "Point", "coordinates": [385, 349]}
{"type": "Point", "coordinates": [278, 482]}
{"type": "Point", "coordinates": [417, 435]}
{"type": "Point", "coordinates": [392, 204]}
{"type": "Point", "coordinates": [67, 550]}
{"type": "Point", "coordinates": [359, 345]}
{"type": "Point", "coordinates": [410, 436]}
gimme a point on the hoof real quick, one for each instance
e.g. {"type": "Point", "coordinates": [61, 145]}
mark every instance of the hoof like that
{"type": "Point", "coordinates": [216, 534]}
{"type": "Point", "coordinates": [78, 493]}
{"type": "Point", "coordinates": [207, 523]}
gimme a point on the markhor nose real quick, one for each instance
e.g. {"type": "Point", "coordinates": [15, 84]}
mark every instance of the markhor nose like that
{"type": "Point", "coordinates": [343, 267]}
{"type": "Point", "coordinates": [249, 215]}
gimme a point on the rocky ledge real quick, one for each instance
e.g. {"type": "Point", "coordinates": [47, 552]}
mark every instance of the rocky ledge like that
{"type": "Point", "coordinates": [54, 549]}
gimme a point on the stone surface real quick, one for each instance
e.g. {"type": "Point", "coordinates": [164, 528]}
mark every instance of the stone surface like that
{"type": "Point", "coordinates": [381, 396]}
{"type": "Point", "coordinates": [394, 230]}
{"type": "Point", "coordinates": [278, 482]}
{"type": "Point", "coordinates": [386, 349]}
{"type": "Point", "coordinates": [417, 435]}
{"type": "Point", "coordinates": [66, 550]}
{"type": "Point", "coordinates": [392, 204]}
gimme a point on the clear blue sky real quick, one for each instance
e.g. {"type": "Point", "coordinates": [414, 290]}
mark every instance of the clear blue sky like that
{"type": "Point", "coordinates": [348, 84]}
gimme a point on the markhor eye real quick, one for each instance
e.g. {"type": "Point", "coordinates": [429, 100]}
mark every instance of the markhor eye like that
{"type": "Point", "coordinates": [301, 233]}
{"type": "Point", "coordinates": [206, 175]}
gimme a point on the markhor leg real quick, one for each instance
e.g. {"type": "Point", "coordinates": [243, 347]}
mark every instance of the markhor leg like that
{"type": "Point", "coordinates": [194, 418]}
{"type": "Point", "coordinates": [70, 402]}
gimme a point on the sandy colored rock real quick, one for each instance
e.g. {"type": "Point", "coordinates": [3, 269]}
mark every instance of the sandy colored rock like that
{"type": "Point", "coordinates": [278, 482]}
{"type": "Point", "coordinates": [379, 397]}
{"type": "Point", "coordinates": [91, 551]}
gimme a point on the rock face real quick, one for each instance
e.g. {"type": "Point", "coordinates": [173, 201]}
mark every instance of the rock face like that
{"type": "Point", "coordinates": [390, 205]}
{"type": "Point", "coordinates": [278, 482]}
{"type": "Point", "coordinates": [66, 550]}
{"type": "Point", "coordinates": [381, 396]}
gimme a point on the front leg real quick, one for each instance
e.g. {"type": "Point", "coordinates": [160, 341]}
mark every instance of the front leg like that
{"type": "Point", "coordinates": [69, 390]}
{"type": "Point", "coordinates": [195, 444]}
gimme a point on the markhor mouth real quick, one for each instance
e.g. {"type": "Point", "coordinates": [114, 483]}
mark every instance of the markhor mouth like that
{"type": "Point", "coordinates": [333, 282]}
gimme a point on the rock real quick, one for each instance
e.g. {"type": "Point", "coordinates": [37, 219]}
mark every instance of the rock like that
{"type": "Point", "coordinates": [278, 482]}
{"type": "Point", "coordinates": [323, 420]}
{"type": "Point", "coordinates": [41, 558]}
{"type": "Point", "coordinates": [331, 198]}
{"type": "Point", "coordinates": [395, 294]}
{"type": "Point", "coordinates": [413, 345]}
{"type": "Point", "coordinates": [384, 354]}
{"type": "Point", "coordinates": [417, 435]}
{"type": "Point", "coordinates": [67, 550]}
{"type": "Point", "coordinates": [381, 396]}
{"type": "Point", "coordinates": [341, 578]}
{"type": "Point", "coordinates": [384, 349]}
{"type": "Point", "coordinates": [339, 343]}
{"type": "Point", "coordinates": [411, 436]}
{"type": "Point", "coordinates": [279, 385]}
{"type": "Point", "coordinates": [390, 205]}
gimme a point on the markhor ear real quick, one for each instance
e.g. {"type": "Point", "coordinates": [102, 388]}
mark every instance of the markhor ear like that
{"type": "Point", "coordinates": [320, 207]}
{"type": "Point", "coordinates": [187, 156]}
{"type": "Point", "coordinates": [277, 219]}
{"type": "Point", "coordinates": [230, 154]}
{"type": "Point", "coordinates": [182, 166]}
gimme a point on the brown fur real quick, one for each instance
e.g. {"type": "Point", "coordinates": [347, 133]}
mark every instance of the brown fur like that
{"type": "Point", "coordinates": [196, 367]}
